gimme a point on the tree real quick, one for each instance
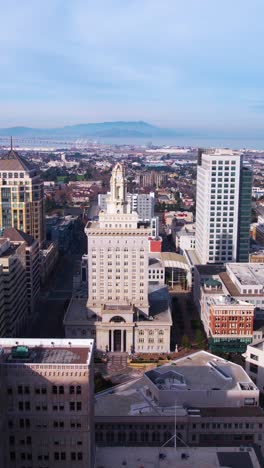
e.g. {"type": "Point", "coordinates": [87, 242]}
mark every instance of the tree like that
{"type": "Point", "coordinates": [199, 338]}
{"type": "Point", "coordinates": [50, 205]}
{"type": "Point", "coordinates": [88, 175]}
{"type": "Point", "coordinates": [185, 342]}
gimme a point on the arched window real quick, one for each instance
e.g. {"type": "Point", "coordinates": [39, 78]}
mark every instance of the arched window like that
{"type": "Point", "coordinates": [117, 319]}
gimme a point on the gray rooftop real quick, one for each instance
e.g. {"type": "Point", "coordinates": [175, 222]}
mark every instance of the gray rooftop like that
{"type": "Point", "coordinates": [193, 372]}
{"type": "Point", "coordinates": [198, 457]}
{"type": "Point", "coordinates": [45, 351]}
{"type": "Point", "coordinates": [200, 371]}
{"type": "Point", "coordinates": [248, 273]}
{"type": "Point", "coordinates": [158, 301]}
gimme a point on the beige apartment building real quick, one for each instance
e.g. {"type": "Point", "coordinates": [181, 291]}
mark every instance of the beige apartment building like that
{"type": "Point", "coordinates": [13, 288]}
{"type": "Point", "coordinates": [21, 196]}
{"type": "Point", "coordinates": [46, 401]}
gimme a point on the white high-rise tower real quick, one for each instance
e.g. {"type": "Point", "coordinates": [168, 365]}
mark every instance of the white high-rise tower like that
{"type": "Point", "coordinates": [223, 207]}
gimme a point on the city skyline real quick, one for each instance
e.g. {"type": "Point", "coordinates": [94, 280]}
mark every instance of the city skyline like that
{"type": "Point", "coordinates": [174, 65]}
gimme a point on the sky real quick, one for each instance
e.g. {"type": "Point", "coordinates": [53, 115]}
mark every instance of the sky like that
{"type": "Point", "coordinates": [189, 64]}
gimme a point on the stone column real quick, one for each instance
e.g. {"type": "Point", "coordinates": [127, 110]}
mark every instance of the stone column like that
{"type": "Point", "coordinates": [112, 341]}
{"type": "Point", "coordinates": [122, 341]}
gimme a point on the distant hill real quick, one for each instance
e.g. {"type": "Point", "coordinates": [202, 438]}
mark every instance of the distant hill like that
{"type": "Point", "coordinates": [96, 130]}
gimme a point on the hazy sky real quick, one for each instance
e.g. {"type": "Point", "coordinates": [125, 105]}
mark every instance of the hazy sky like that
{"type": "Point", "coordinates": [174, 63]}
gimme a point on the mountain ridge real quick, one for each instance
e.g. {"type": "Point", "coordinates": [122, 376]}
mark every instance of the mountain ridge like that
{"type": "Point", "coordinates": [100, 129]}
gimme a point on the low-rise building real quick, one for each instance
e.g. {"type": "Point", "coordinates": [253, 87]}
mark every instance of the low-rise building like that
{"type": "Point", "coordinates": [257, 257]}
{"type": "Point", "coordinates": [183, 457]}
{"type": "Point", "coordinates": [245, 282]}
{"type": "Point", "coordinates": [183, 236]}
{"type": "Point", "coordinates": [227, 322]}
{"type": "Point", "coordinates": [48, 417]}
{"type": "Point", "coordinates": [202, 398]}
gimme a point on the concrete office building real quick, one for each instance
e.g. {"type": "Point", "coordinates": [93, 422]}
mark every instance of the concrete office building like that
{"type": "Point", "coordinates": [202, 398]}
{"type": "Point", "coordinates": [32, 269]}
{"type": "Point", "coordinates": [123, 312]}
{"type": "Point", "coordinates": [47, 417]}
{"type": "Point", "coordinates": [21, 196]}
{"type": "Point", "coordinates": [13, 288]}
{"type": "Point", "coordinates": [223, 207]}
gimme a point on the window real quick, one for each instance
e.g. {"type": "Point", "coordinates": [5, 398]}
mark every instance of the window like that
{"type": "Point", "coordinates": [253, 368]}
{"type": "Point", "coordinates": [72, 406]}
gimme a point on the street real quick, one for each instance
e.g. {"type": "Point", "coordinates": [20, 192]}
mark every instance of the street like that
{"type": "Point", "coordinates": [56, 293]}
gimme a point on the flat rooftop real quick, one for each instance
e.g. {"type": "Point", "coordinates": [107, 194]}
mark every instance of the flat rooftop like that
{"type": "Point", "coordinates": [159, 308]}
{"type": "Point", "coordinates": [248, 273]}
{"type": "Point", "coordinates": [167, 457]}
{"type": "Point", "coordinates": [222, 300]}
{"type": "Point", "coordinates": [259, 345]}
{"type": "Point", "coordinates": [172, 259]}
{"type": "Point", "coordinates": [45, 351]}
{"type": "Point", "coordinates": [141, 228]}
{"type": "Point", "coordinates": [233, 290]}
{"type": "Point", "coordinates": [192, 257]}
{"type": "Point", "coordinates": [131, 399]}
{"type": "Point", "coordinates": [210, 270]}
{"type": "Point", "coordinates": [9, 250]}
{"type": "Point", "coordinates": [201, 371]}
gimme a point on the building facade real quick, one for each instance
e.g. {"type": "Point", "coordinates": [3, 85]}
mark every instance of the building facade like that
{"type": "Point", "coordinates": [245, 282]}
{"type": "Point", "coordinates": [32, 264]}
{"type": "Point", "coordinates": [223, 209]}
{"type": "Point", "coordinates": [21, 197]}
{"type": "Point", "coordinates": [13, 288]}
{"type": "Point", "coordinates": [47, 419]}
{"type": "Point", "coordinates": [254, 357]}
{"type": "Point", "coordinates": [123, 312]}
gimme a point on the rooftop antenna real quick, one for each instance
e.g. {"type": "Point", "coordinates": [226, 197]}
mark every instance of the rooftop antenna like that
{"type": "Point", "coordinates": [11, 143]}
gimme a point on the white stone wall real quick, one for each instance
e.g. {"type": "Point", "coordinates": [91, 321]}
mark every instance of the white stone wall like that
{"type": "Point", "coordinates": [255, 365]}
{"type": "Point", "coordinates": [118, 270]}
